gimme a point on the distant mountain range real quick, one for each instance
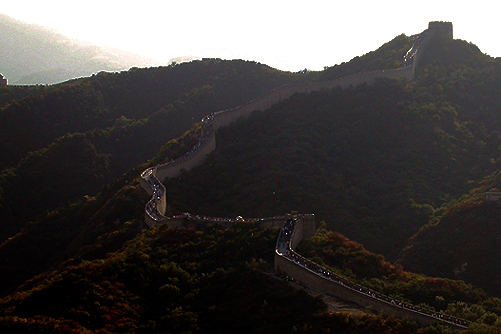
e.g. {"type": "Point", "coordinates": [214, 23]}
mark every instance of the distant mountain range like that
{"type": "Point", "coordinates": [31, 54]}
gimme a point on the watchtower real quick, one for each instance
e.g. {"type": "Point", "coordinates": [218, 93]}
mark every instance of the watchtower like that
{"type": "Point", "coordinates": [440, 29]}
{"type": "Point", "coordinates": [3, 81]}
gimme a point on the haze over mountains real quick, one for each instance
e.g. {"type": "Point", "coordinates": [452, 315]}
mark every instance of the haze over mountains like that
{"type": "Point", "coordinates": [400, 167]}
{"type": "Point", "coordinates": [31, 54]}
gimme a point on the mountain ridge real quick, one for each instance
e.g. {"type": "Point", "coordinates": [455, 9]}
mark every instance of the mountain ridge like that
{"type": "Point", "coordinates": [31, 54]}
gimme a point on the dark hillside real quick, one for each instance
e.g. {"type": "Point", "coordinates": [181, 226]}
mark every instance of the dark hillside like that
{"type": "Point", "coordinates": [389, 55]}
{"type": "Point", "coordinates": [88, 227]}
{"type": "Point", "coordinates": [108, 124]}
{"type": "Point", "coordinates": [463, 236]}
{"type": "Point", "coordinates": [68, 168]}
{"type": "Point", "coordinates": [359, 158]}
{"type": "Point", "coordinates": [378, 163]}
{"type": "Point", "coordinates": [462, 242]}
{"type": "Point", "coordinates": [185, 280]}
{"type": "Point", "coordinates": [12, 93]}
{"type": "Point", "coordinates": [460, 73]}
{"type": "Point", "coordinates": [33, 122]}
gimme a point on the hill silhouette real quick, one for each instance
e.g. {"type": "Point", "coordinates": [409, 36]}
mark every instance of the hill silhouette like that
{"type": "Point", "coordinates": [461, 240]}
{"type": "Point", "coordinates": [34, 55]}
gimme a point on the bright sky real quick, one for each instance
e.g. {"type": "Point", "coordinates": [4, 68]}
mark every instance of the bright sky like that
{"type": "Point", "coordinates": [289, 35]}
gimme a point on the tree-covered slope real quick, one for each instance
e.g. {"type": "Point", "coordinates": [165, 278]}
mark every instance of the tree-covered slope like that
{"type": "Point", "coordinates": [462, 241]}
{"type": "Point", "coordinates": [375, 162]}
{"type": "Point", "coordinates": [70, 138]}
{"type": "Point", "coordinates": [463, 235]}
{"type": "Point", "coordinates": [389, 55]}
{"type": "Point", "coordinates": [85, 228]}
{"type": "Point", "coordinates": [32, 122]}
{"type": "Point", "coordinates": [217, 280]}
{"type": "Point", "coordinates": [351, 260]}
{"type": "Point", "coordinates": [66, 141]}
{"type": "Point", "coordinates": [363, 159]}
{"type": "Point", "coordinates": [460, 73]}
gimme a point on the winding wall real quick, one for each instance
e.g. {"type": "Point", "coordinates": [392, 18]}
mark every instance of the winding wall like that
{"type": "Point", "coordinates": [155, 208]}
{"type": "Point", "coordinates": [307, 272]}
{"type": "Point", "coordinates": [292, 229]}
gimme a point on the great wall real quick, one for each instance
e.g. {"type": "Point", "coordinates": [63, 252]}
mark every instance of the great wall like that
{"type": "Point", "coordinates": [293, 227]}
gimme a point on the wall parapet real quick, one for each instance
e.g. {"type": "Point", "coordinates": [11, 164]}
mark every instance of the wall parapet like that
{"type": "Point", "coordinates": [3, 81]}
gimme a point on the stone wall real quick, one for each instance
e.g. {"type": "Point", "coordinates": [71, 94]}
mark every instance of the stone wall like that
{"type": "Point", "coordinates": [226, 117]}
{"type": "Point", "coordinates": [493, 196]}
{"type": "Point", "coordinates": [187, 162]}
{"type": "Point", "coordinates": [440, 29]}
{"type": "Point", "coordinates": [149, 220]}
{"type": "Point", "coordinates": [203, 222]}
{"type": "Point", "coordinates": [310, 274]}
{"type": "Point", "coordinates": [3, 81]}
{"type": "Point", "coordinates": [322, 285]}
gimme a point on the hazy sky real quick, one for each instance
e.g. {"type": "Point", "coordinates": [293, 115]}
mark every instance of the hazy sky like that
{"type": "Point", "coordinates": [289, 35]}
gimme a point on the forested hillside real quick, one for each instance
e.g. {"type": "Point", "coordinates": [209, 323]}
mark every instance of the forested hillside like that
{"type": "Point", "coordinates": [389, 55]}
{"type": "Point", "coordinates": [88, 228]}
{"type": "Point", "coordinates": [66, 141]}
{"type": "Point", "coordinates": [386, 164]}
{"type": "Point", "coordinates": [99, 101]}
{"type": "Point", "coordinates": [124, 120]}
{"type": "Point", "coordinates": [374, 161]}
{"type": "Point", "coordinates": [177, 280]}
{"type": "Point", "coordinates": [462, 240]}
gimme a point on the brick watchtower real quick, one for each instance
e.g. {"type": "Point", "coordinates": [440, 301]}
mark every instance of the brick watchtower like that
{"type": "Point", "coordinates": [440, 29]}
{"type": "Point", "coordinates": [3, 81]}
